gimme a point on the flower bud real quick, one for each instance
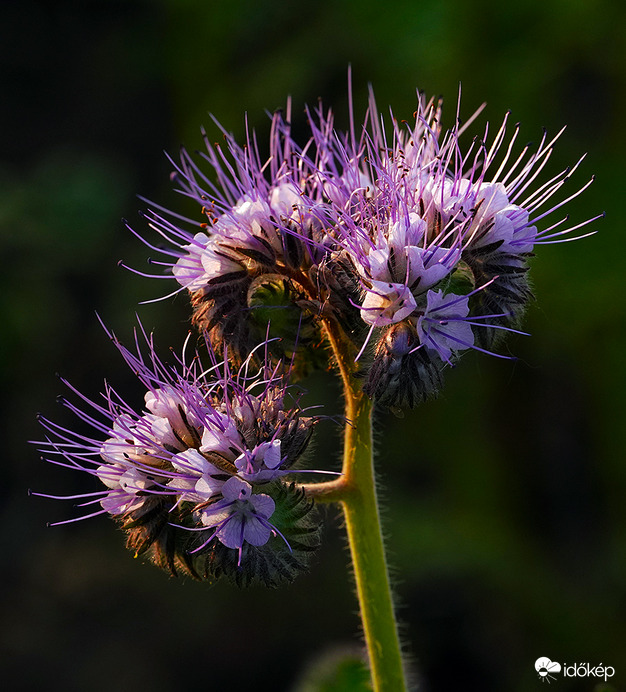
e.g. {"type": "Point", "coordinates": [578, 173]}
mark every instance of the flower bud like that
{"type": "Point", "coordinates": [402, 375]}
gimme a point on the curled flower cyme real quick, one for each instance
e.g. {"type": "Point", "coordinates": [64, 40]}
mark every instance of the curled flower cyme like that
{"type": "Point", "coordinates": [198, 479]}
{"type": "Point", "coordinates": [387, 236]}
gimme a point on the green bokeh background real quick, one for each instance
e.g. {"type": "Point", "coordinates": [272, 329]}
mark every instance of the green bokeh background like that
{"type": "Point", "coordinates": [504, 498]}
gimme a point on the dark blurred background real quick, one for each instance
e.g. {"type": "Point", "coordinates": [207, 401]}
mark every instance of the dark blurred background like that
{"type": "Point", "coordinates": [504, 498]}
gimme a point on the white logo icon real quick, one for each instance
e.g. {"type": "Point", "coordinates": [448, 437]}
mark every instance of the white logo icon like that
{"type": "Point", "coordinates": [545, 669]}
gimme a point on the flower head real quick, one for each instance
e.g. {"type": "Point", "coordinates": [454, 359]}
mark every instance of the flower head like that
{"type": "Point", "coordinates": [439, 239]}
{"type": "Point", "coordinates": [262, 226]}
{"type": "Point", "coordinates": [200, 472]}
{"type": "Point", "coordinates": [405, 238]}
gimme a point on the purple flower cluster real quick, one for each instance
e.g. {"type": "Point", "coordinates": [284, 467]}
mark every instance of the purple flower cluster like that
{"type": "Point", "coordinates": [394, 244]}
{"type": "Point", "coordinates": [202, 468]}
{"type": "Point", "coordinates": [416, 248]}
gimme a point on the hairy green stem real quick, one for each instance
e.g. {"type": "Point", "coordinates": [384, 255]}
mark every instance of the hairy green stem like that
{"type": "Point", "coordinates": [365, 538]}
{"type": "Point", "coordinates": [356, 490]}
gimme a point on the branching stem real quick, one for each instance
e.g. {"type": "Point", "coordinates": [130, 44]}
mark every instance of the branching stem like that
{"type": "Point", "coordinates": [356, 491]}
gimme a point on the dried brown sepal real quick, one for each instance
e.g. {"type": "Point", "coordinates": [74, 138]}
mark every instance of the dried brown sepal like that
{"type": "Point", "coordinates": [149, 533]}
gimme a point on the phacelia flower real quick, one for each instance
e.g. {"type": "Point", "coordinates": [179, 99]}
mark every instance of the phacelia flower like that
{"type": "Point", "coordinates": [443, 327]}
{"type": "Point", "coordinates": [416, 247]}
{"type": "Point", "coordinates": [198, 479]}
{"type": "Point", "coordinates": [240, 517]}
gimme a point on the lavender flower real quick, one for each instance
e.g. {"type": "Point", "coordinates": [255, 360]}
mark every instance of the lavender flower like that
{"type": "Point", "coordinates": [240, 517]}
{"type": "Point", "coordinates": [416, 248]}
{"type": "Point", "coordinates": [197, 479]}
{"type": "Point", "coordinates": [442, 327]}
